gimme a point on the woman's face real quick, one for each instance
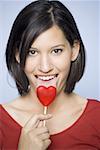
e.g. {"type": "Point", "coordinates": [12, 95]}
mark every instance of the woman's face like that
{"type": "Point", "coordinates": [49, 59]}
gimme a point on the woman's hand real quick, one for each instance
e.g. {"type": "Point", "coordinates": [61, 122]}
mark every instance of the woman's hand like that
{"type": "Point", "coordinates": [34, 136]}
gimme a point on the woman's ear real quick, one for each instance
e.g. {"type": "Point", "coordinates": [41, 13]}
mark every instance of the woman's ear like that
{"type": "Point", "coordinates": [17, 57]}
{"type": "Point", "coordinates": [75, 50]}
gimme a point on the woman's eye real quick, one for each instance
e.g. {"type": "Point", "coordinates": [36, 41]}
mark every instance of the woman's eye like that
{"type": "Point", "coordinates": [57, 51]}
{"type": "Point", "coordinates": [32, 52]}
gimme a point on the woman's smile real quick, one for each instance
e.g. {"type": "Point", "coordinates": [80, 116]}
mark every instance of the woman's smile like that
{"type": "Point", "coordinates": [46, 77]}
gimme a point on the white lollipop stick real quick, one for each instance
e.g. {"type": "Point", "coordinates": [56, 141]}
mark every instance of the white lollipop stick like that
{"type": "Point", "coordinates": [45, 112]}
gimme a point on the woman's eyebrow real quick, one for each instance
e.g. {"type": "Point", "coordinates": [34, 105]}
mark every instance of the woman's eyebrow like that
{"type": "Point", "coordinates": [58, 46]}
{"type": "Point", "coordinates": [33, 48]}
{"type": "Point", "coordinates": [50, 48]}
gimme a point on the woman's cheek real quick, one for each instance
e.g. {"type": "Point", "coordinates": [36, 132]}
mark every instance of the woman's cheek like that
{"type": "Point", "coordinates": [30, 64]}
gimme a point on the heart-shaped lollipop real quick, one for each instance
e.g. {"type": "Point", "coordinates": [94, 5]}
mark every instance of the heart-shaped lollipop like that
{"type": "Point", "coordinates": [46, 95]}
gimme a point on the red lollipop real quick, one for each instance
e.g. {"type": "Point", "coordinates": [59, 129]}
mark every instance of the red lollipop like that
{"type": "Point", "coordinates": [46, 96]}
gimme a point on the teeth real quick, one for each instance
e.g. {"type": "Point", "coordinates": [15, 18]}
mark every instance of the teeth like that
{"type": "Point", "coordinates": [46, 77]}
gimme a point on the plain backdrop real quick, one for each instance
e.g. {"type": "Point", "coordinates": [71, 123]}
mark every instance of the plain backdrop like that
{"type": "Point", "coordinates": [87, 16]}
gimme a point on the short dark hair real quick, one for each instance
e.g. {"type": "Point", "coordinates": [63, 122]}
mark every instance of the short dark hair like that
{"type": "Point", "coordinates": [33, 20]}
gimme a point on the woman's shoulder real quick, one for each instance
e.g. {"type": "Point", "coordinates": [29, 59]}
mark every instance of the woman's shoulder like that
{"type": "Point", "coordinates": [94, 102]}
{"type": "Point", "coordinates": [93, 108]}
{"type": "Point", "coordinates": [11, 104]}
{"type": "Point", "coordinates": [13, 110]}
{"type": "Point", "coordinates": [93, 114]}
{"type": "Point", "coordinates": [7, 106]}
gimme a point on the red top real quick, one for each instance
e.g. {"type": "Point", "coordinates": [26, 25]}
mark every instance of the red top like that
{"type": "Point", "coordinates": [84, 134]}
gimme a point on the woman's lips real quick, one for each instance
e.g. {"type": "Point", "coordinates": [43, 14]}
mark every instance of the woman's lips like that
{"type": "Point", "coordinates": [46, 77]}
{"type": "Point", "coordinates": [49, 80]}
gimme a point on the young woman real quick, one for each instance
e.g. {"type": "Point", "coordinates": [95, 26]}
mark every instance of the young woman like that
{"type": "Point", "coordinates": [45, 48]}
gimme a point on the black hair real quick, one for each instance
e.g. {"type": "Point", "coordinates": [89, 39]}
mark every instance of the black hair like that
{"type": "Point", "coordinates": [33, 20]}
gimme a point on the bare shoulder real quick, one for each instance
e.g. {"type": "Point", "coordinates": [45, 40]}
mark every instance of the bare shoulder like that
{"type": "Point", "coordinates": [79, 101]}
{"type": "Point", "coordinates": [13, 107]}
{"type": "Point", "coordinates": [12, 104]}
{"type": "Point", "coordinates": [17, 110]}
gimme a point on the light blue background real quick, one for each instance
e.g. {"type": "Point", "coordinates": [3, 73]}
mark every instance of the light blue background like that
{"type": "Point", "coordinates": [87, 16]}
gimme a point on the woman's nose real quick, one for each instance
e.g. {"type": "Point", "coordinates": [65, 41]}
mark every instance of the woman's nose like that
{"type": "Point", "coordinates": [45, 64]}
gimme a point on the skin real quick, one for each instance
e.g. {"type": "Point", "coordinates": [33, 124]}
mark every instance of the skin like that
{"type": "Point", "coordinates": [34, 135]}
{"type": "Point", "coordinates": [46, 55]}
{"type": "Point", "coordinates": [50, 54]}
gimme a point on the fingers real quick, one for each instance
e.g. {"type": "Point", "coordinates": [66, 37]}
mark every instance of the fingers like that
{"type": "Point", "coordinates": [35, 119]}
{"type": "Point", "coordinates": [47, 143]}
{"type": "Point", "coordinates": [41, 130]}
{"type": "Point", "coordinates": [34, 133]}
{"type": "Point", "coordinates": [40, 124]}
{"type": "Point", "coordinates": [44, 136]}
